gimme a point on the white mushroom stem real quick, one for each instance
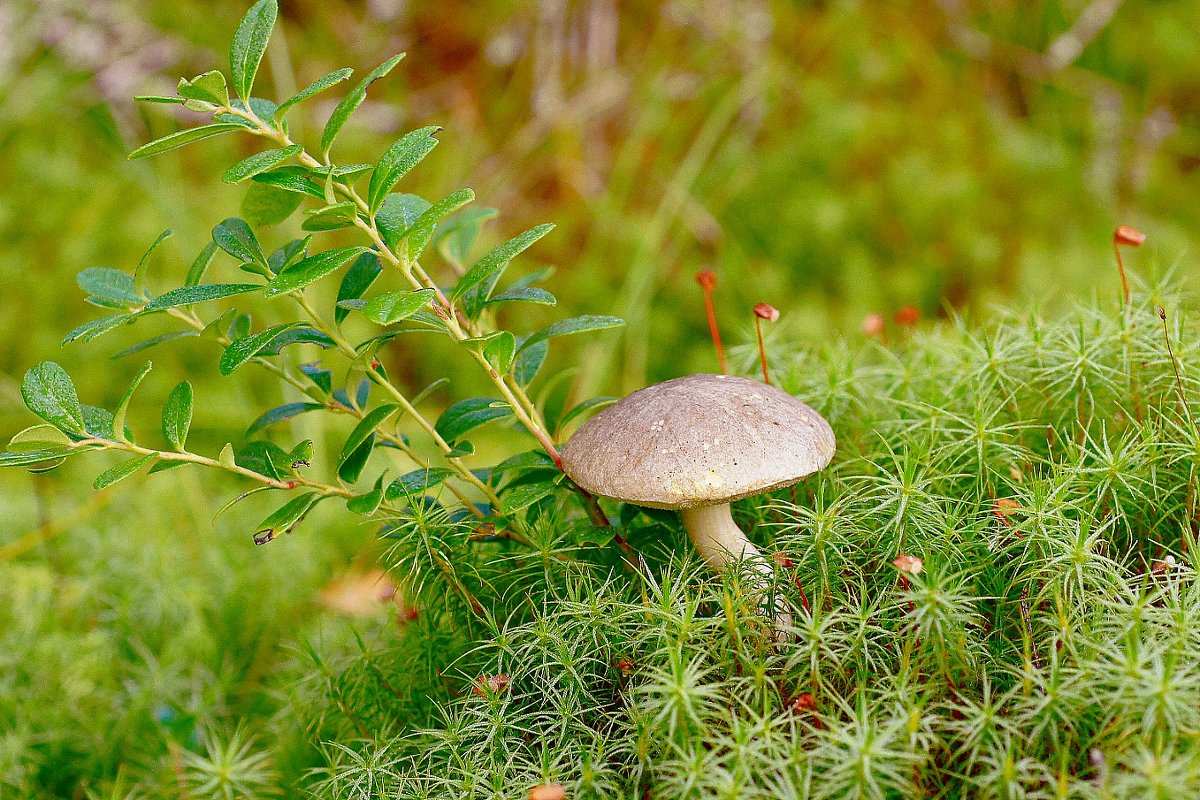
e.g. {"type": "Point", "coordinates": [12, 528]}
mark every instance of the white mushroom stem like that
{"type": "Point", "coordinates": [721, 542]}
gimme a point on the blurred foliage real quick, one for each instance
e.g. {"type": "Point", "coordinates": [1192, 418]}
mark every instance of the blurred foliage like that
{"type": "Point", "coordinates": [834, 159]}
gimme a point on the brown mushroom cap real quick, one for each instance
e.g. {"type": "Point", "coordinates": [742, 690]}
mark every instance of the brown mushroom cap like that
{"type": "Point", "coordinates": [699, 440]}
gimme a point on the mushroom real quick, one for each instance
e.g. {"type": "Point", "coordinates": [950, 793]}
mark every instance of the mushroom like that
{"type": "Point", "coordinates": [696, 444]}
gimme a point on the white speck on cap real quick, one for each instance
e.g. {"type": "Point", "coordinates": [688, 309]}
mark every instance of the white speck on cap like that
{"type": "Point", "coordinates": [699, 440]}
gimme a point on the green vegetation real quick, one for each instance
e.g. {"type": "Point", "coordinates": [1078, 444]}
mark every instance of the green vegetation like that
{"type": "Point", "coordinates": [994, 585]}
{"type": "Point", "coordinates": [1043, 469]}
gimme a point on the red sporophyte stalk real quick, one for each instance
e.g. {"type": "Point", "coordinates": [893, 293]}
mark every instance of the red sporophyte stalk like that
{"type": "Point", "coordinates": [907, 316]}
{"type": "Point", "coordinates": [908, 565]}
{"type": "Point", "coordinates": [1126, 236]}
{"type": "Point", "coordinates": [490, 685]}
{"type": "Point", "coordinates": [874, 325]}
{"type": "Point", "coordinates": [548, 791]}
{"type": "Point", "coordinates": [708, 282]}
{"type": "Point", "coordinates": [770, 314]}
{"type": "Point", "coordinates": [1162, 314]}
{"type": "Point", "coordinates": [804, 703]}
{"type": "Point", "coordinates": [783, 560]}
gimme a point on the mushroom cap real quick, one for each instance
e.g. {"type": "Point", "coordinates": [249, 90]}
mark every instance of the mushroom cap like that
{"type": "Point", "coordinates": [700, 440]}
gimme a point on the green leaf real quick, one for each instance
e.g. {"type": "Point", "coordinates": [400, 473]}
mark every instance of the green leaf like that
{"type": "Point", "coordinates": [392, 307]}
{"type": "Point", "coordinates": [311, 270]}
{"type": "Point", "coordinates": [528, 294]}
{"type": "Point", "coordinates": [289, 254]}
{"type": "Point", "coordinates": [158, 98]}
{"type": "Point", "coordinates": [208, 87]}
{"type": "Point", "coordinates": [263, 458]}
{"type": "Point", "coordinates": [529, 361]}
{"type": "Point", "coordinates": [242, 350]}
{"type": "Point", "coordinates": [96, 327]}
{"type": "Point", "coordinates": [44, 439]}
{"type": "Point", "coordinates": [300, 335]}
{"type": "Point", "coordinates": [319, 85]}
{"type": "Point", "coordinates": [38, 437]}
{"type": "Point", "coordinates": [489, 268]}
{"type": "Point", "coordinates": [584, 533]}
{"type": "Point", "coordinates": [249, 45]}
{"type": "Point", "coordinates": [49, 393]}
{"type": "Point", "coordinates": [350, 104]}
{"type": "Point", "coordinates": [239, 498]}
{"type": "Point", "coordinates": [520, 497]}
{"type": "Point", "coordinates": [467, 415]}
{"type": "Point", "coordinates": [109, 287]}
{"type": "Point", "coordinates": [591, 404]}
{"type": "Point", "coordinates": [280, 414]}
{"type": "Point", "coordinates": [177, 415]}
{"type": "Point", "coordinates": [259, 162]}
{"type": "Point", "coordinates": [235, 237]}
{"type": "Point", "coordinates": [523, 462]}
{"type": "Point", "coordinates": [264, 204]}
{"type": "Point", "coordinates": [363, 430]}
{"type": "Point", "coordinates": [286, 517]}
{"type": "Point", "coordinates": [98, 422]}
{"type": "Point", "coordinates": [181, 138]}
{"type": "Point", "coordinates": [352, 465]}
{"type": "Point", "coordinates": [291, 179]}
{"type": "Point", "coordinates": [187, 295]}
{"type": "Point", "coordinates": [321, 377]}
{"type": "Point", "coordinates": [239, 327]}
{"type": "Point", "coordinates": [460, 233]}
{"type": "Point", "coordinates": [416, 482]}
{"type": "Point", "coordinates": [200, 264]}
{"type": "Point", "coordinates": [301, 455]}
{"type": "Point", "coordinates": [118, 429]}
{"type": "Point", "coordinates": [44, 459]}
{"type": "Point", "coordinates": [367, 504]}
{"type": "Point", "coordinates": [398, 161]}
{"type": "Point", "coordinates": [331, 217]}
{"type": "Point", "coordinates": [139, 274]}
{"type": "Point", "coordinates": [358, 279]}
{"type": "Point", "coordinates": [153, 342]}
{"type": "Point", "coordinates": [588, 322]}
{"type": "Point", "coordinates": [397, 214]}
{"type": "Point", "coordinates": [418, 236]}
{"type": "Point", "coordinates": [500, 351]}
{"type": "Point", "coordinates": [123, 470]}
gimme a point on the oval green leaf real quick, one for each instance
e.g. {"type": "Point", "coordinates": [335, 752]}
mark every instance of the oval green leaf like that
{"type": "Point", "coordinates": [259, 162]}
{"type": "Point", "coordinates": [181, 138]}
{"type": "Point", "coordinates": [311, 269]}
{"type": "Point", "coordinates": [123, 470]}
{"type": "Point", "coordinates": [393, 307]}
{"type": "Point", "coordinates": [177, 416]}
{"type": "Point", "coordinates": [49, 393]}
{"type": "Point", "coordinates": [249, 45]}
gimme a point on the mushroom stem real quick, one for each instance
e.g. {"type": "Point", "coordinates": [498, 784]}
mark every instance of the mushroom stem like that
{"type": "Point", "coordinates": [721, 542]}
{"type": "Point", "coordinates": [718, 538]}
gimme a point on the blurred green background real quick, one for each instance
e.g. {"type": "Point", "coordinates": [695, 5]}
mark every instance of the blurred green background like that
{"type": "Point", "coordinates": [834, 159]}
